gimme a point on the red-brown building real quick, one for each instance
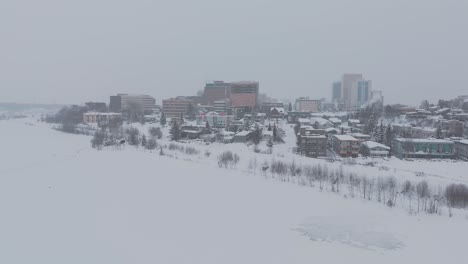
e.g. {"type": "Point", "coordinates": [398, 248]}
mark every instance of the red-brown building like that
{"type": "Point", "coordinates": [216, 91]}
{"type": "Point", "coordinates": [244, 95]}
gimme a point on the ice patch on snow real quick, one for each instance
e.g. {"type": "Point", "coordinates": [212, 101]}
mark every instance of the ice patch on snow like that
{"type": "Point", "coordinates": [360, 235]}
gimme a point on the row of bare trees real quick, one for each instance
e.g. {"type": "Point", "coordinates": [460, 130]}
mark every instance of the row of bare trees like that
{"type": "Point", "coordinates": [415, 196]}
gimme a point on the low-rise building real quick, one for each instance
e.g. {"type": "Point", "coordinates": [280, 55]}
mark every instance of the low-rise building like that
{"type": "Point", "coordinates": [215, 120]}
{"type": "Point", "coordinates": [461, 149]}
{"type": "Point", "coordinates": [293, 117]}
{"type": "Point", "coordinates": [335, 121]}
{"type": "Point", "coordinates": [374, 149]}
{"type": "Point", "coordinates": [422, 148]}
{"type": "Point", "coordinates": [305, 104]}
{"type": "Point", "coordinates": [277, 113]}
{"type": "Point", "coordinates": [242, 137]}
{"type": "Point", "coordinates": [101, 118]}
{"type": "Point", "coordinates": [455, 128]}
{"type": "Point", "coordinates": [319, 122]}
{"type": "Point", "coordinates": [313, 145]}
{"type": "Point", "coordinates": [268, 106]}
{"type": "Point", "coordinates": [304, 121]}
{"type": "Point", "coordinates": [345, 145]}
{"type": "Point", "coordinates": [175, 107]}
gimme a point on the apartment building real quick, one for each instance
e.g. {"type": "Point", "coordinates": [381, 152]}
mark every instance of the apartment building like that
{"type": "Point", "coordinates": [345, 145]}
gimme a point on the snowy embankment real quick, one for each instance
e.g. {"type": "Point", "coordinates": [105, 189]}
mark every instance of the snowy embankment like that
{"type": "Point", "coordinates": [63, 202]}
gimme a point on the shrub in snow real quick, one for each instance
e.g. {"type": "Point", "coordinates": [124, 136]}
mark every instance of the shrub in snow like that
{"type": "Point", "coordinates": [456, 195]}
{"type": "Point", "coordinates": [151, 144]}
{"type": "Point", "coordinates": [191, 151]}
{"type": "Point", "coordinates": [155, 132]}
{"type": "Point", "coordinates": [173, 146]}
{"type": "Point", "coordinates": [133, 136]}
{"type": "Point", "coordinates": [98, 139]}
{"type": "Point", "coordinates": [228, 159]}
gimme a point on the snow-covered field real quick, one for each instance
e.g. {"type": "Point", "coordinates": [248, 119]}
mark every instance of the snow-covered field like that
{"type": "Point", "coordinates": [63, 202]}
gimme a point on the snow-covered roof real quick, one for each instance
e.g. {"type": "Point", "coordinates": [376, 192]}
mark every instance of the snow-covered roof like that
{"type": "Point", "coordinates": [359, 135]}
{"type": "Point", "coordinates": [320, 120]}
{"type": "Point", "coordinates": [463, 141]}
{"type": "Point", "coordinates": [355, 121]}
{"type": "Point", "coordinates": [442, 110]}
{"type": "Point", "coordinates": [331, 129]}
{"type": "Point", "coordinates": [315, 136]}
{"type": "Point", "coordinates": [424, 140]}
{"type": "Point", "coordinates": [102, 114]}
{"type": "Point", "coordinates": [334, 120]}
{"type": "Point", "coordinates": [373, 144]}
{"type": "Point", "coordinates": [279, 109]}
{"type": "Point", "coordinates": [243, 133]}
{"type": "Point", "coordinates": [191, 131]}
{"type": "Point", "coordinates": [303, 120]}
{"type": "Point", "coordinates": [227, 133]}
{"type": "Point", "coordinates": [345, 138]}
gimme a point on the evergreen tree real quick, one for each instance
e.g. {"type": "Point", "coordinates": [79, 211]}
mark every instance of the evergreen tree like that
{"type": "Point", "coordinates": [389, 135]}
{"type": "Point", "coordinates": [143, 140]}
{"type": "Point", "coordinates": [290, 107]}
{"type": "Point", "coordinates": [207, 125]}
{"type": "Point", "coordinates": [163, 119]}
{"type": "Point", "coordinates": [182, 118]}
{"type": "Point", "coordinates": [297, 128]}
{"type": "Point", "coordinates": [424, 105]}
{"type": "Point", "coordinates": [191, 112]}
{"type": "Point", "coordinates": [175, 131]}
{"type": "Point", "coordinates": [439, 134]}
{"type": "Point", "coordinates": [371, 124]}
{"type": "Point", "coordinates": [275, 133]}
{"type": "Point", "coordinates": [381, 133]}
{"type": "Point", "coordinates": [269, 127]}
{"type": "Point", "coordinates": [256, 136]}
{"type": "Point", "coordinates": [270, 143]}
{"type": "Point", "coordinates": [375, 134]}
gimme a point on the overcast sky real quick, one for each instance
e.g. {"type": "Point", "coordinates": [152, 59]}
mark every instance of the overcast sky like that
{"type": "Point", "coordinates": [59, 51]}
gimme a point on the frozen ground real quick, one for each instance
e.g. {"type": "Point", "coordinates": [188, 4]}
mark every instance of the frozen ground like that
{"type": "Point", "coordinates": [63, 202]}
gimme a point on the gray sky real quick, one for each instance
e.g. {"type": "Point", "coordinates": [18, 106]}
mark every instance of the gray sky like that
{"type": "Point", "coordinates": [54, 51]}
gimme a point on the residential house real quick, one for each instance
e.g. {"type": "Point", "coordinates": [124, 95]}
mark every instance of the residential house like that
{"type": "Point", "coordinates": [242, 137]}
{"type": "Point", "coordinates": [374, 149]}
{"type": "Point", "coordinates": [277, 113]}
{"type": "Point", "coordinates": [293, 117]}
{"type": "Point", "coordinates": [215, 120]}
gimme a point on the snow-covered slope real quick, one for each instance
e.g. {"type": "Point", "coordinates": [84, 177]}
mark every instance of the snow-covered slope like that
{"type": "Point", "coordinates": [63, 202]}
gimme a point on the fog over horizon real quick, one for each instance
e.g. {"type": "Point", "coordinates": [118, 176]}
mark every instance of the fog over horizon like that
{"type": "Point", "coordinates": [56, 51]}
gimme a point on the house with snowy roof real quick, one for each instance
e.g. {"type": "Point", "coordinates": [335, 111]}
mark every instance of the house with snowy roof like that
{"type": "Point", "coordinates": [374, 149]}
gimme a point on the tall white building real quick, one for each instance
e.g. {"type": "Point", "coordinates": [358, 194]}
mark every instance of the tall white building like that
{"type": "Point", "coordinates": [356, 91]}
{"type": "Point", "coordinates": [360, 94]}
